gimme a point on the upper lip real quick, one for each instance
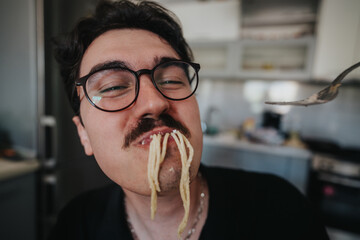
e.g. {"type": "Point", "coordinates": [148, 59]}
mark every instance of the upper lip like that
{"type": "Point", "coordinates": [158, 130]}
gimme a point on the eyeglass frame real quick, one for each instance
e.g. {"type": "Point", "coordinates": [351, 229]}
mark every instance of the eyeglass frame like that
{"type": "Point", "coordinates": [82, 81]}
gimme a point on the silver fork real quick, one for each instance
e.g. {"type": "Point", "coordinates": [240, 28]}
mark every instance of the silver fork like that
{"type": "Point", "coordinates": [324, 96]}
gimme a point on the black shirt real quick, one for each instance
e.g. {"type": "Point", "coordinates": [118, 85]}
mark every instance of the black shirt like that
{"type": "Point", "coordinates": [242, 205]}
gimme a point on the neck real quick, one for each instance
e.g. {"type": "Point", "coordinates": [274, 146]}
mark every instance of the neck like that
{"type": "Point", "coordinates": [169, 213]}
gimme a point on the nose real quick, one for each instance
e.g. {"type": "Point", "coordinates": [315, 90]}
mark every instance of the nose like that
{"type": "Point", "coordinates": [150, 103]}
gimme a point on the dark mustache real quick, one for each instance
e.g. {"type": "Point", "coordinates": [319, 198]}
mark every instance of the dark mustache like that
{"type": "Point", "coordinates": [148, 124]}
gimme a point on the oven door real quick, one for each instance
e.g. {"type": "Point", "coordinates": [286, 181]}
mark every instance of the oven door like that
{"type": "Point", "coordinates": [338, 199]}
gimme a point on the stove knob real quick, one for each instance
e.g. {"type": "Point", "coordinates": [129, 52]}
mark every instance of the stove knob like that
{"type": "Point", "coordinates": [330, 166]}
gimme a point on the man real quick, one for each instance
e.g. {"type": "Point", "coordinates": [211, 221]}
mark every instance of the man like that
{"type": "Point", "coordinates": [129, 75]}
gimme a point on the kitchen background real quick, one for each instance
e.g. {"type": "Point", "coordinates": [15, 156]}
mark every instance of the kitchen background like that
{"type": "Point", "coordinates": [250, 51]}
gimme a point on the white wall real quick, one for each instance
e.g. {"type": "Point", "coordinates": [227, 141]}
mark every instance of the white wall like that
{"type": "Point", "coordinates": [18, 71]}
{"type": "Point", "coordinates": [338, 120]}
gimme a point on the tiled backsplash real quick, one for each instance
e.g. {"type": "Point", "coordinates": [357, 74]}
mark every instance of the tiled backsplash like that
{"type": "Point", "coordinates": [233, 101]}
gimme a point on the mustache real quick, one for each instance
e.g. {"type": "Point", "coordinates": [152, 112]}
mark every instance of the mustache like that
{"type": "Point", "coordinates": [148, 124]}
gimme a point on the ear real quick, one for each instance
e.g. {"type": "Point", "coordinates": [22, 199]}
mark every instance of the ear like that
{"type": "Point", "coordinates": [84, 139]}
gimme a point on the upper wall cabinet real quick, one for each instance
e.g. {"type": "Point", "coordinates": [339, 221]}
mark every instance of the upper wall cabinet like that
{"type": "Point", "coordinates": [276, 41]}
{"type": "Point", "coordinates": [338, 39]}
{"type": "Point", "coordinates": [207, 20]}
{"type": "Point", "coordinates": [291, 40]}
{"type": "Point", "coordinates": [289, 59]}
{"type": "Point", "coordinates": [218, 59]}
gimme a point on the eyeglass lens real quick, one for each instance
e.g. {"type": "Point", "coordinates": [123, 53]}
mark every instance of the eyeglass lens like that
{"type": "Point", "coordinates": [114, 89]}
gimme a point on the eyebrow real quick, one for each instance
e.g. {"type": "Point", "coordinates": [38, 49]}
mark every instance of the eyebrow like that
{"type": "Point", "coordinates": [108, 64]}
{"type": "Point", "coordinates": [158, 60]}
{"type": "Point", "coordinates": [123, 64]}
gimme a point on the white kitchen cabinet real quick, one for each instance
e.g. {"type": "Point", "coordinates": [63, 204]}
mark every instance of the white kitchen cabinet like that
{"type": "Point", "coordinates": [218, 59]}
{"type": "Point", "coordinates": [288, 59]}
{"type": "Point", "coordinates": [215, 20]}
{"type": "Point", "coordinates": [338, 38]}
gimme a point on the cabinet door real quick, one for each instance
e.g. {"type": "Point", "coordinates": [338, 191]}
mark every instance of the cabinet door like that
{"type": "Point", "coordinates": [218, 59]}
{"type": "Point", "coordinates": [17, 208]}
{"type": "Point", "coordinates": [288, 59]}
{"type": "Point", "coordinates": [338, 38]}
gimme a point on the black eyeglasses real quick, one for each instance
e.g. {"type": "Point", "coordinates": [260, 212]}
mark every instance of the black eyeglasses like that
{"type": "Point", "coordinates": [114, 89]}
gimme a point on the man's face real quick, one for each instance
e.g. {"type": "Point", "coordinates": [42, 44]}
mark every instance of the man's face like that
{"type": "Point", "coordinates": [103, 133]}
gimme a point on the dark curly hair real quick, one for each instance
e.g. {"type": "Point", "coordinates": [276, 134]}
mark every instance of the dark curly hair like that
{"type": "Point", "coordinates": [146, 15]}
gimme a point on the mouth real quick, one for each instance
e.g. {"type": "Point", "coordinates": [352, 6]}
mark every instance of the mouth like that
{"type": "Point", "coordinates": [146, 139]}
{"type": "Point", "coordinates": [146, 127]}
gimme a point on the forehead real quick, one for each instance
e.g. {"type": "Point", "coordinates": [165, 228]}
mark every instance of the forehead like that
{"type": "Point", "coordinates": [137, 48]}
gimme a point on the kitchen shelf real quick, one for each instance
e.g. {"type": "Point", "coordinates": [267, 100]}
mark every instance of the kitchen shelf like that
{"type": "Point", "coordinates": [216, 58]}
{"type": "Point", "coordinates": [271, 59]}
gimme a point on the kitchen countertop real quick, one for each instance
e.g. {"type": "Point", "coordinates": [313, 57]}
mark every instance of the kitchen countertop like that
{"type": "Point", "coordinates": [10, 169]}
{"type": "Point", "coordinates": [230, 141]}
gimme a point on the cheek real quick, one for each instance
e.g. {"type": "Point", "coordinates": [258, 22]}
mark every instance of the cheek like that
{"type": "Point", "coordinates": [105, 130]}
{"type": "Point", "coordinates": [191, 118]}
{"type": "Point", "coordinates": [106, 136]}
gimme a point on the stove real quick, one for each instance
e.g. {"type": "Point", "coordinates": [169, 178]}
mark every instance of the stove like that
{"type": "Point", "coordinates": [334, 186]}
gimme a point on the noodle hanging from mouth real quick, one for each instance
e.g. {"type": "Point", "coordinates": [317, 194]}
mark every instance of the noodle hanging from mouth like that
{"type": "Point", "coordinates": [157, 152]}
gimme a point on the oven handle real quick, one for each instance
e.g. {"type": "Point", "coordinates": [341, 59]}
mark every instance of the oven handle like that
{"type": "Point", "coordinates": [339, 180]}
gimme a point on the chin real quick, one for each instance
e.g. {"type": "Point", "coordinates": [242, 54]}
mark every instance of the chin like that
{"type": "Point", "coordinates": [170, 175]}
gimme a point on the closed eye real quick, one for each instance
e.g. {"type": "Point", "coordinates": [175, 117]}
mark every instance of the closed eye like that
{"type": "Point", "coordinates": [114, 88]}
{"type": "Point", "coordinates": [170, 82]}
{"type": "Point", "coordinates": [169, 85]}
{"type": "Point", "coordinates": [115, 91]}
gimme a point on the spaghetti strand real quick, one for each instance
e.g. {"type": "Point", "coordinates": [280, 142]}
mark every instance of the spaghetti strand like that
{"type": "Point", "coordinates": [157, 153]}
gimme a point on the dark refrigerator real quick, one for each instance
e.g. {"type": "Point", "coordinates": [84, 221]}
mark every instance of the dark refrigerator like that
{"type": "Point", "coordinates": [66, 170]}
